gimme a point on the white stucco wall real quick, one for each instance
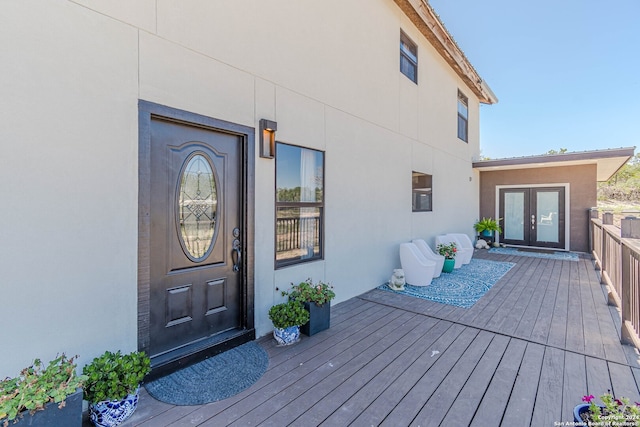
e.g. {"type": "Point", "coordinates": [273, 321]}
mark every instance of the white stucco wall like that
{"type": "Point", "coordinates": [327, 72]}
{"type": "Point", "coordinates": [68, 180]}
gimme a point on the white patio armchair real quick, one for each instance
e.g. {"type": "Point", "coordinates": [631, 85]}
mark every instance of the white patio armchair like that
{"type": "Point", "coordinates": [463, 252]}
{"type": "Point", "coordinates": [418, 271]}
{"type": "Point", "coordinates": [465, 244]}
{"type": "Point", "coordinates": [430, 255]}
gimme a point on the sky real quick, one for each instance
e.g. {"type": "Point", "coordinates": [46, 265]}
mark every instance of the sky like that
{"type": "Point", "coordinates": [566, 72]}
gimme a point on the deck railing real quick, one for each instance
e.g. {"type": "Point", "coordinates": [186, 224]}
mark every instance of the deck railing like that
{"type": "Point", "coordinates": [297, 233]}
{"type": "Point", "coordinates": [617, 255]}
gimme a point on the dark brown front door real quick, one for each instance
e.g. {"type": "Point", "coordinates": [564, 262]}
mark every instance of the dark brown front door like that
{"type": "Point", "coordinates": [195, 235]}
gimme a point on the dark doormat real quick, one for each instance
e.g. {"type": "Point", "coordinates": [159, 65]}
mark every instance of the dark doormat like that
{"type": "Point", "coordinates": [213, 379]}
{"type": "Point", "coordinates": [561, 256]}
{"type": "Point", "coordinates": [539, 251]}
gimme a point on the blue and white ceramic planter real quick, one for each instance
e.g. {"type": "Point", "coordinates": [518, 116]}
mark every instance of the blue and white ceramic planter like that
{"type": "Point", "coordinates": [115, 412]}
{"type": "Point", "coordinates": [287, 336]}
{"type": "Point", "coordinates": [580, 409]}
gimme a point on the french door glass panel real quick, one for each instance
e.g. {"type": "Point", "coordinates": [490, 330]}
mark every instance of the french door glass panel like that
{"type": "Point", "coordinates": [547, 214]}
{"type": "Point", "coordinates": [514, 216]}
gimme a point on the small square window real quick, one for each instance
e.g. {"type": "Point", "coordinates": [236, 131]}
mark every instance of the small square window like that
{"type": "Point", "coordinates": [463, 117]}
{"type": "Point", "coordinates": [422, 194]}
{"type": "Point", "coordinates": [408, 58]}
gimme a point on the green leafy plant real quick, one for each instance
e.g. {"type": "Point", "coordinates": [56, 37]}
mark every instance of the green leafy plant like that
{"type": "Point", "coordinates": [614, 412]}
{"type": "Point", "coordinates": [487, 224]}
{"type": "Point", "coordinates": [306, 291]}
{"type": "Point", "coordinates": [288, 314]}
{"type": "Point", "coordinates": [38, 385]}
{"type": "Point", "coordinates": [113, 376]}
{"type": "Point", "coordinates": [447, 250]}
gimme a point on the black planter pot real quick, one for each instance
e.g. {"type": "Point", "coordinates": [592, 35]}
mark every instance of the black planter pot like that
{"type": "Point", "coordinates": [319, 318]}
{"type": "Point", "coordinates": [69, 416]}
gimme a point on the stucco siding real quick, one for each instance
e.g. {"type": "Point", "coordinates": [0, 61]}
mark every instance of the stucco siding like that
{"type": "Point", "coordinates": [327, 72]}
{"type": "Point", "coordinates": [68, 179]}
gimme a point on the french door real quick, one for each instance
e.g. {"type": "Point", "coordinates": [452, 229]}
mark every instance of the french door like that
{"type": "Point", "coordinates": [533, 216]}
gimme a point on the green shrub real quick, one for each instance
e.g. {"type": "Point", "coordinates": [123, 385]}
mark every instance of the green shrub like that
{"type": "Point", "coordinates": [113, 376]}
{"type": "Point", "coordinates": [36, 386]}
{"type": "Point", "coordinates": [308, 292]}
{"type": "Point", "coordinates": [487, 224]}
{"type": "Point", "coordinates": [288, 314]}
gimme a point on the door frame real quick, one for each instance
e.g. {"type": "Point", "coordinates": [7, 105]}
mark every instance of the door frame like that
{"type": "Point", "coordinates": [146, 112]}
{"type": "Point", "coordinates": [567, 210]}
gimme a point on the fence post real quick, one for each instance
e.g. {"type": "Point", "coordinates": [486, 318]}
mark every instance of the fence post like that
{"type": "Point", "coordinates": [593, 213]}
{"type": "Point", "coordinates": [630, 228]}
{"type": "Point", "coordinates": [607, 219]}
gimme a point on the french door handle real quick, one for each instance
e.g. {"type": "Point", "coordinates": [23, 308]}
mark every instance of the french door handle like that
{"type": "Point", "coordinates": [533, 222]}
{"type": "Point", "coordinates": [237, 254]}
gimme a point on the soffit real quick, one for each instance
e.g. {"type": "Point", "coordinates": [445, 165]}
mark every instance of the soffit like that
{"type": "Point", "coordinates": [428, 23]}
{"type": "Point", "coordinates": [608, 161]}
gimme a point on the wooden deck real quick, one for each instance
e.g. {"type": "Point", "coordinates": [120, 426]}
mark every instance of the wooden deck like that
{"type": "Point", "coordinates": [523, 355]}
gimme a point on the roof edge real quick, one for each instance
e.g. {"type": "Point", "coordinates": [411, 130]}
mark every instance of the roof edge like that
{"type": "Point", "coordinates": [553, 158]}
{"type": "Point", "coordinates": [424, 17]}
{"type": "Point", "coordinates": [608, 162]}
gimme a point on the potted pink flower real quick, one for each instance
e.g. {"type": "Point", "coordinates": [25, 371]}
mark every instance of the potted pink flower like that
{"type": "Point", "coordinates": [613, 411]}
{"type": "Point", "coordinates": [448, 251]}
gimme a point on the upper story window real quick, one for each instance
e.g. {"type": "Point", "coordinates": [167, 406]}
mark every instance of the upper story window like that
{"type": "Point", "coordinates": [463, 117]}
{"type": "Point", "coordinates": [408, 57]}
{"type": "Point", "coordinates": [422, 192]}
{"type": "Point", "coordinates": [299, 204]}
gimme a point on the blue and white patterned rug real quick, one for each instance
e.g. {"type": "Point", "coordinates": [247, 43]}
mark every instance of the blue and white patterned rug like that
{"type": "Point", "coordinates": [562, 256]}
{"type": "Point", "coordinates": [463, 286]}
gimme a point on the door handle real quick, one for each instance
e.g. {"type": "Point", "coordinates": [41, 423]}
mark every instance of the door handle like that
{"type": "Point", "coordinates": [236, 255]}
{"type": "Point", "coordinates": [533, 222]}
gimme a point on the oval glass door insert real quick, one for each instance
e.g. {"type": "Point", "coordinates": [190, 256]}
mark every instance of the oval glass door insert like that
{"type": "Point", "coordinates": [197, 207]}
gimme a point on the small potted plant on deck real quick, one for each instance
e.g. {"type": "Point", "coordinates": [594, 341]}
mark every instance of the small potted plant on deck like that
{"type": "Point", "coordinates": [487, 226]}
{"type": "Point", "coordinates": [43, 396]}
{"type": "Point", "coordinates": [613, 411]}
{"type": "Point", "coordinates": [287, 318]}
{"type": "Point", "coordinates": [448, 251]}
{"type": "Point", "coordinates": [317, 301]}
{"type": "Point", "coordinates": [112, 385]}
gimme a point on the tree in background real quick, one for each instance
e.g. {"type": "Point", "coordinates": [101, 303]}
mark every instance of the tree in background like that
{"type": "Point", "coordinates": [624, 185]}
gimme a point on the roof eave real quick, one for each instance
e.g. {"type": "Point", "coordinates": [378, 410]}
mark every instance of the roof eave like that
{"type": "Point", "coordinates": [429, 24]}
{"type": "Point", "coordinates": [608, 161]}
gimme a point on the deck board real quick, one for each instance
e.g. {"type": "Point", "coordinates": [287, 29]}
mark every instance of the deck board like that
{"type": "Point", "coordinates": [542, 325]}
{"type": "Point", "coordinates": [523, 355]}
{"type": "Point", "coordinates": [465, 403]}
{"type": "Point", "coordinates": [574, 381]}
{"type": "Point", "coordinates": [378, 410]}
{"type": "Point", "coordinates": [351, 407]}
{"type": "Point", "coordinates": [518, 411]}
{"type": "Point", "coordinates": [494, 401]}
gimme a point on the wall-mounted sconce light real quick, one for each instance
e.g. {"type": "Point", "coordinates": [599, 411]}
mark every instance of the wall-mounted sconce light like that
{"type": "Point", "coordinates": [268, 138]}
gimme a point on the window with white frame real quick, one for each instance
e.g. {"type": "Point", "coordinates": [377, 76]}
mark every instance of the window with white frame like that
{"type": "Point", "coordinates": [463, 117]}
{"type": "Point", "coordinates": [408, 58]}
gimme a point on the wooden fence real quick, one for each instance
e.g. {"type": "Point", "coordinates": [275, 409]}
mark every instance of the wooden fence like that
{"type": "Point", "coordinates": [617, 255]}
